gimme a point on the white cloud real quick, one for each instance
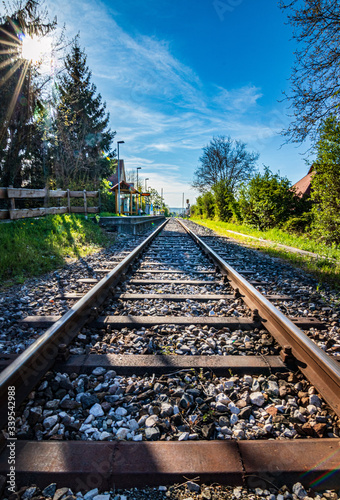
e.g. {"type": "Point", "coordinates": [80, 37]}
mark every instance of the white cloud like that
{"type": "Point", "coordinates": [161, 147]}
{"type": "Point", "coordinates": [239, 100]}
{"type": "Point", "coordinates": [158, 105]}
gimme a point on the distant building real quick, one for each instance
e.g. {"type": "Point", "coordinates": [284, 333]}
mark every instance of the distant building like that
{"type": "Point", "coordinates": [129, 196]}
{"type": "Point", "coordinates": [303, 186]}
{"type": "Point", "coordinates": [114, 177]}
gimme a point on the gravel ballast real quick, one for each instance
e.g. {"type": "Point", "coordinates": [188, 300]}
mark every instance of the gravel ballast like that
{"type": "Point", "coordinates": [187, 405]}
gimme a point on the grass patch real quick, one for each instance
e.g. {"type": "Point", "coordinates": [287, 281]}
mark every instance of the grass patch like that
{"type": "Point", "coordinates": [31, 247]}
{"type": "Point", "coordinates": [325, 269]}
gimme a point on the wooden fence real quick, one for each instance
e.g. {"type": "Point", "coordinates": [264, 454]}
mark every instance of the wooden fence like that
{"type": "Point", "coordinates": [11, 194]}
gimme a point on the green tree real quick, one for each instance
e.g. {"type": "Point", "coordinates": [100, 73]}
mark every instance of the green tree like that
{"type": "Point", "coordinates": [155, 198]}
{"type": "Point", "coordinates": [21, 110]}
{"type": "Point", "coordinates": [83, 139]}
{"type": "Point", "coordinates": [267, 201]}
{"type": "Point", "coordinates": [208, 205]}
{"type": "Point", "coordinates": [224, 199]}
{"type": "Point", "coordinates": [326, 183]}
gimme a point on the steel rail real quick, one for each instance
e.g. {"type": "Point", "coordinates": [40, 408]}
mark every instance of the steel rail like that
{"type": "Point", "coordinates": [319, 368]}
{"type": "Point", "coordinates": [27, 369]}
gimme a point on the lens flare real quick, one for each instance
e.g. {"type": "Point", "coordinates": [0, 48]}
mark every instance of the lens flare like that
{"type": "Point", "coordinates": [34, 49]}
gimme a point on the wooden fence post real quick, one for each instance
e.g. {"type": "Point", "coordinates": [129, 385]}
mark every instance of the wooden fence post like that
{"type": "Point", "coordinates": [85, 204]}
{"type": "Point", "coordinates": [12, 204]}
{"type": "Point", "coordinates": [68, 201]}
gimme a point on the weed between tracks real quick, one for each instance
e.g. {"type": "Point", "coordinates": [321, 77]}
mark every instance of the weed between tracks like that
{"type": "Point", "coordinates": [31, 247]}
{"type": "Point", "coordinates": [326, 269]}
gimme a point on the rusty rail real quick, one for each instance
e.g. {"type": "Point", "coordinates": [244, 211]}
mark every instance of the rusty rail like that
{"type": "Point", "coordinates": [27, 369]}
{"type": "Point", "coordinates": [320, 369]}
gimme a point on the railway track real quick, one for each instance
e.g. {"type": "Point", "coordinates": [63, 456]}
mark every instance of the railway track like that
{"type": "Point", "coordinates": [173, 366]}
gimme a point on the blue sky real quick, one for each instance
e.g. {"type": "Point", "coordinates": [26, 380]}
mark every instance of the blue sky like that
{"type": "Point", "coordinates": [176, 73]}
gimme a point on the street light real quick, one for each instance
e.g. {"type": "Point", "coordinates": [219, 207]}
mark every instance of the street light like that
{"type": "Point", "coordinates": [119, 142]}
{"type": "Point", "coordinates": [137, 168]}
{"type": "Point", "coordinates": [146, 203]}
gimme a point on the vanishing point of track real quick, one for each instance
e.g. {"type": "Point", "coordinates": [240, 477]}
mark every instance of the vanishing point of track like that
{"type": "Point", "coordinates": [171, 252]}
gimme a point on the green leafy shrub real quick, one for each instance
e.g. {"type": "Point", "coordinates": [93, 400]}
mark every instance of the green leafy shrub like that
{"type": "Point", "coordinates": [299, 224]}
{"type": "Point", "coordinates": [268, 201]}
{"type": "Point", "coordinates": [326, 184]}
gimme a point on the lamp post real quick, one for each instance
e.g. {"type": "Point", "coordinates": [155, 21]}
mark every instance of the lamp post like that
{"type": "Point", "coordinates": [145, 190]}
{"type": "Point", "coordinates": [119, 142]}
{"type": "Point", "coordinates": [137, 168]}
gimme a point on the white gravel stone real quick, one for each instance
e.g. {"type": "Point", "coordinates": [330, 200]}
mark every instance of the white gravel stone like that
{"type": "Point", "coordinates": [137, 437]}
{"type": "Point", "coordinates": [91, 494]}
{"type": "Point", "coordinates": [238, 433]}
{"type": "Point", "coordinates": [234, 409]}
{"type": "Point", "coordinates": [96, 410]}
{"type": "Point", "coordinates": [315, 400]}
{"type": "Point", "coordinates": [122, 433]}
{"type": "Point", "coordinates": [299, 490]}
{"type": "Point", "coordinates": [121, 412]}
{"type": "Point", "coordinates": [298, 415]}
{"type": "Point", "coordinates": [98, 371]}
{"type": "Point", "coordinates": [311, 409]}
{"type": "Point", "coordinates": [268, 427]}
{"type": "Point", "coordinates": [167, 409]}
{"type": "Point", "coordinates": [184, 436]}
{"type": "Point", "coordinates": [233, 419]}
{"type": "Point", "coordinates": [50, 422]}
{"type": "Point", "coordinates": [229, 384]}
{"type": "Point", "coordinates": [151, 421]}
{"type": "Point", "coordinates": [133, 424]}
{"type": "Point", "coordinates": [104, 435]}
{"type": "Point", "coordinates": [257, 398]}
{"type": "Point", "coordinates": [273, 388]}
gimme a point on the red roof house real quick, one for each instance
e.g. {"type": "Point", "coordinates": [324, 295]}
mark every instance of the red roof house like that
{"type": "Point", "coordinates": [303, 186]}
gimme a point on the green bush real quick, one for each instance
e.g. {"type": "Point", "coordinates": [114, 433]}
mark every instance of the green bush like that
{"type": "Point", "coordinates": [299, 224]}
{"type": "Point", "coordinates": [326, 184]}
{"type": "Point", "coordinates": [223, 201]}
{"type": "Point", "coordinates": [268, 201]}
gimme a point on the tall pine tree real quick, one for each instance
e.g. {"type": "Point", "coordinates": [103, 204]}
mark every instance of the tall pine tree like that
{"type": "Point", "coordinates": [83, 139]}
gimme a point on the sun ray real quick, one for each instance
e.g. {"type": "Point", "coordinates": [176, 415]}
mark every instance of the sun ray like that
{"type": "Point", "coordinates": [6, 63]}
{"type": "Point", "coordinates": [10, 72]}
{"type": "Point", "coordinates": [10, 35]}
{"type": "Point", "coordinates": [7, 52]}
{"type": "Point", "coordinates": [11, 44]}
{"type": "Point", "coordinates": [14, 99]}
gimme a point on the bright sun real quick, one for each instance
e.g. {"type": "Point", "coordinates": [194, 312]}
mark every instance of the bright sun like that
{"type": "Point", "coordinates": [34, 48]}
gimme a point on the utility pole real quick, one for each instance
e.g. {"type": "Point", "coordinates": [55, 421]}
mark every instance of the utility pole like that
{"type": "Point", "coordinates": [138, 168]}
{"type": "Point", "coordinates": [118, 166]}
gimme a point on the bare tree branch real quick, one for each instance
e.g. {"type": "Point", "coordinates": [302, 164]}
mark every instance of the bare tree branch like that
{"type": "Point", "coordinates": [315, 78]}
{"type": "Point", "coordinates": [224, 160]}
